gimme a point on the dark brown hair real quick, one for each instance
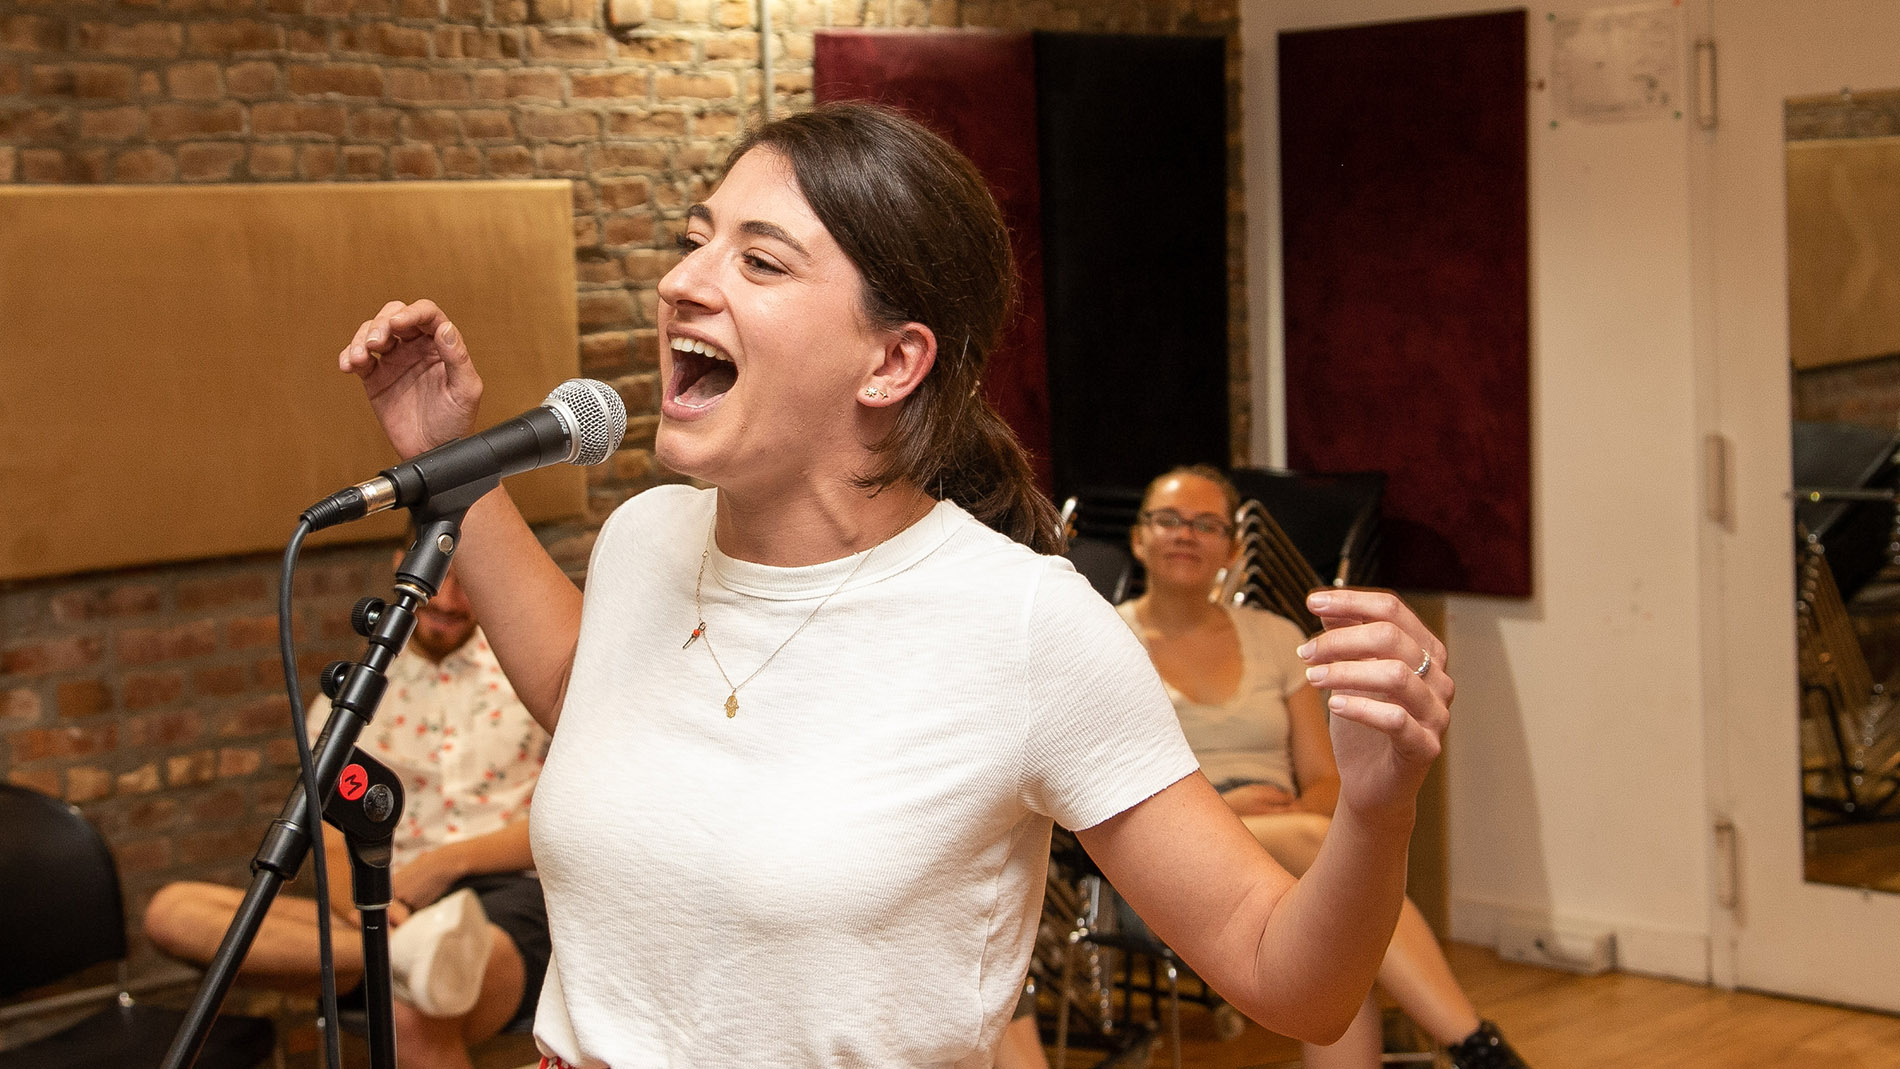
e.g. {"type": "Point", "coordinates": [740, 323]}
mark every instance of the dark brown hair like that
{"type": "Point", "coordinates": [926, 235]}
{"type": "Point", "coordinates": [1200, 471]}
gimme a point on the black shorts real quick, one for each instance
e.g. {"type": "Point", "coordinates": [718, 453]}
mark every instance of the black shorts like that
{"type": "Point", "coordinates": [513, 903]}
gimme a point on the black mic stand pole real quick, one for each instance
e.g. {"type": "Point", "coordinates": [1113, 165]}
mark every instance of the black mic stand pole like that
{"type": "Point", "coordinates": [358, 688]}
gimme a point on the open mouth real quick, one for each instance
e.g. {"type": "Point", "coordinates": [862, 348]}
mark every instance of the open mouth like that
{"type": "Point", "coordinates": [702, 372]}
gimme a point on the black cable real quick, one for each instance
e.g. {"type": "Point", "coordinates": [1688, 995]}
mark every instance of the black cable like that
{"type": "Point", "coordinates": [313, 797]}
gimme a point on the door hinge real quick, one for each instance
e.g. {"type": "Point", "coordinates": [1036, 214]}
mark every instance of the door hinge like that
{"type": "Point", "coordinates": [1728, 878]}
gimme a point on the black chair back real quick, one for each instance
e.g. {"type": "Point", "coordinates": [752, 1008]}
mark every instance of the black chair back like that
{"type": "Point", "coordinates": [1332, 518]}
{"type": "Point", "coordinates": [59, 892]}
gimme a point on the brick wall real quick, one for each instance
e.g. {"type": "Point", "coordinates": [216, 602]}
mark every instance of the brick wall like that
{"type": "Point", "coordinates": [152, 697]}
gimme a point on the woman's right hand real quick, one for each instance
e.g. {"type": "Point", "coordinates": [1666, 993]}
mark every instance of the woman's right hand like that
{"type": "Point", "coordinates": [417, 374]}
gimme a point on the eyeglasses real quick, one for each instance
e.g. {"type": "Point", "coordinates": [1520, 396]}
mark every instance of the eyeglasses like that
{"type": "Point", "coordinates": [1169, 520]}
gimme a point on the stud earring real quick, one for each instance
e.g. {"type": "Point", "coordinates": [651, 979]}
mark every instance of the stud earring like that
{"type": "Point", "coordinates": [875, 393]}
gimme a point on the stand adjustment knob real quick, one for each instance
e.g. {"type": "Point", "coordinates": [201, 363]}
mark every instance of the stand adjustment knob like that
{"type": "Point", "coordinates": [332, 677]}
{"type": "Point", "coordinates": [364, 614]}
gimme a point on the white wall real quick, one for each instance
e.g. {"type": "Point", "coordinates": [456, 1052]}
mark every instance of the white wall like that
{"type": "Point", "coordinates": [1577, 760]}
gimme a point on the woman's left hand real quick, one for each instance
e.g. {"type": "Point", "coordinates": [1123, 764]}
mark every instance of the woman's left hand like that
{"type": "Point", "coordinates": [1390, 700]}
{"type": "Point", "coordinates": [425, 879]}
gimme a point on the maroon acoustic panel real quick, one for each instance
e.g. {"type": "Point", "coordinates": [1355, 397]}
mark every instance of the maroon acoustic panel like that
{"type": "Point", "coordinates": [978, 92]}
{"type": "Point", "coordinates": [1407, 252]}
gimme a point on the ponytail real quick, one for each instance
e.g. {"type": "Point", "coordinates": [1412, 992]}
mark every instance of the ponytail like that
{"type": "Point", "coordinates": [930, 242]}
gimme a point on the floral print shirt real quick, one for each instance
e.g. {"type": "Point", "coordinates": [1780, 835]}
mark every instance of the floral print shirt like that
{"type": "Point", "coordinates": [465, 747]}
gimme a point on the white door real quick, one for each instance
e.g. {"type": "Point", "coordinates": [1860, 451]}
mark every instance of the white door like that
{"type": "Point", "coordinates": [1783, 935]}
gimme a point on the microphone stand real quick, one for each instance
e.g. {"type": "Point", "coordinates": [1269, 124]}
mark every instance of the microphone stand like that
{"type": "Point", "coordinates": [356, 689]}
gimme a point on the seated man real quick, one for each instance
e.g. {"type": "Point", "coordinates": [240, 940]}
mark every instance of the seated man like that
{"type": "Point", "coordinates": [469, 942]}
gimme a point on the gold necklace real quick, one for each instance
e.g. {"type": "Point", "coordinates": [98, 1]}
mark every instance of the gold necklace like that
{"type": "Point", "coordinates": [699, 631]}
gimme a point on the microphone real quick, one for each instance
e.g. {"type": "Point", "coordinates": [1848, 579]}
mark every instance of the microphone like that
{"type": "Point", "coordinates": [581, 422]}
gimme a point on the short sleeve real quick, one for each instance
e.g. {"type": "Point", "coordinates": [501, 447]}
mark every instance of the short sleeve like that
{"type": "Point", "coordinates": [1273, 642]}
{"type": "Point", "coordinates": [1102, 734]}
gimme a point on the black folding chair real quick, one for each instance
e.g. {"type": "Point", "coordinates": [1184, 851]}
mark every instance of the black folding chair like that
{"type": "Point", "coordinates": [61, 913]}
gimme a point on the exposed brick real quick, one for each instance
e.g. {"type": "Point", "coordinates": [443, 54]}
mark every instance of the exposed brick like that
{"type": "Point", "coordinates": [561, 160]}
{"type": "Point", "coordinates": [488, 124]}
{"type": "Point", "coordinates": [176, 122]}
{"type": "Point", "coordinates": [374, 124]}
{"type": "Point", "coordinates": [603, 309]}
{"type": "Point", "coordinates": [195, 848]}
{"type": "Point", "coordinates": [31, 33]}
{"type": "Point", "coordinates": [605, 350]}
{"type": "Point", "coordinates": [433, 126]}
{"type": "Point", "coordinates": [648, 265]}
{"type": "Point", "coordinates": [555, 10]}
{"type": "Point", "coordinates": [617, 194]}
{"type": "Point", "coordinates": [83, 81]}
{"type": "Point", "coordinates": [490, 84]}
{"type": "Point", "coordinates": [145, 855]}
{"type": "Point", "coordinates": [226, 680]}
{"type": "Point", "coordinates": [298, 119]}
{"type": "Point", "coordinates": [417, 85]}
{"type": "Point", "coordinates": [727, 49]}
{"type": "Point", "coordinates": [586, 231]}
{"type": "Point", "coordinates": [510, 161]}
{"type": "Point", "coordinates": [166, 729]}
{"type": "Point", "coordinates": [712, 85]}
{"type": "Point", "coordinates": [254, 79]}
{"type": "Point", "coordinates": [560, 124]}
{"type": "Point", "coordinates": [33, 124]}
{"type": "Point", "coordinates": [733, 14]}
{"type": "Point", "coordinates": [151, 814]}
{"type": "Point", "coordinates": [364, 161]}
{"type": "Point", "coordinates": [217, 592]}
{"type": "Point", "coordinates": [607, 84]}
{"type": "Point", "coordinates": [600, 270]}
{"type": "Point", "coordinates": [208, 162]}
{"type": "Point", "coordinates": [147, 40]}
{"type": "Point", "coordinates": [340, 79]}
{"type": "Point", "coordinates": [147, 165]}
{"type": "Point", "coordinates": [10, 80]}
{"type": "Point", "coordinates": [281, 753]}
{"type": "Point", "coordinates": [307, 42]}
{"type": "Point", "coordinates": [185, 770]}
{"type": "Point", "coordinates": [534, 83]}
{"type": "Point", "coordinates": [143, 690]}
{"type": "Point", "coordinates": [51, 655]}
{"type": "Point", "coordinates": [228, 37]}
{"type": "Point", "coordinates": [646, 348]}
{"type": "Point", "coordinates": [195, 81]}
{"type": "Point", "coordinates": [149, 645]}
{"type": "Point", "coordinates": [631, 465]}
{"type": "Point", "coordinates": [627, 14]}
{"type": "Point", "coordinates": [141, 780]}
{"type": "Point", "coordinates": [658, 48]}
{"type": "Point", "coordinates": [46, 781]}
{"type": "Point", "coordinates": [385, 39]}
{"type": "Point", "coordinates": [640, 392]}
{"type": "Point", "coordinates": [415, 161]}
{"type": "Point", "coordinates": [217, 807]}
{"type": "Point", "coordinates": [83, 697]}
{"type": "Point", "coordinates": [19, 706]}
{"type": "Point", "coordinates": [628, 156]}
{"type": "Point", "coordinates": [261, 717]}
{"type": "Point", "coordinates": [64, 743]}
{"type": "Point", "coordinates": [234, 762]}
{"type": "Point", "coordinates": [564, 43]}
{"type": "Point", "coordinates": [317, 161]}
{"type": "Point", "coordinates": [632, 228]}
{"type": "Point", "coordinates": [462, 162]}
{"type": "Point", "coordinates": [641, 123]}
{"type": "Point", "coordinates": [137, 599]}
{"type": "Point", "coordinates": [342, 578]}
{"type": "Point", "coordinates": [87, 783]}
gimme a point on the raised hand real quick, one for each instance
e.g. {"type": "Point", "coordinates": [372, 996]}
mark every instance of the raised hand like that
{"type": "Point", "coordinates": [1388, 716]}
{"type": "Point", "coordinates": [416, 371]}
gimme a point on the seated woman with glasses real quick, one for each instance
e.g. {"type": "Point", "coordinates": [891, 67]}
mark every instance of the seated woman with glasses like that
{"type": "Point", "coordinates": [1253, 717]}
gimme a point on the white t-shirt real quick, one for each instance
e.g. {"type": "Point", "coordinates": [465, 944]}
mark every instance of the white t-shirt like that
{"type": "Point", "coordinates": [848, 872]}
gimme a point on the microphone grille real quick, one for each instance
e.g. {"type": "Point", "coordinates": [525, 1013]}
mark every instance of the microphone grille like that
{"type": "Point", "coordinates": [598, 418]}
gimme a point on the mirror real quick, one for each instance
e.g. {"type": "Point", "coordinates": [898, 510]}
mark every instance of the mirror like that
{"type": "Point", "coordinates": [1843, 167]}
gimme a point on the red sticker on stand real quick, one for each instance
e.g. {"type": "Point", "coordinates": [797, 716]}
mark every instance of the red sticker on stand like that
{"type": "Point", "coordinates": [352, 783]}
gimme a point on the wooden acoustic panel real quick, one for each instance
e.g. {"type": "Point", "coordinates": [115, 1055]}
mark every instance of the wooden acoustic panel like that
{"type": "Point", "coordinates": [1843, 250]}
{"type": "Point", "coordinates": [168, 382]}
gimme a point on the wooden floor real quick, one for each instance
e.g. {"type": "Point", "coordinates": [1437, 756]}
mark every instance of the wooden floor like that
{"type": "Point", "coordinates": [1615, 1021]}
{"type": "Point", "coordinates": [1560, 1021]}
